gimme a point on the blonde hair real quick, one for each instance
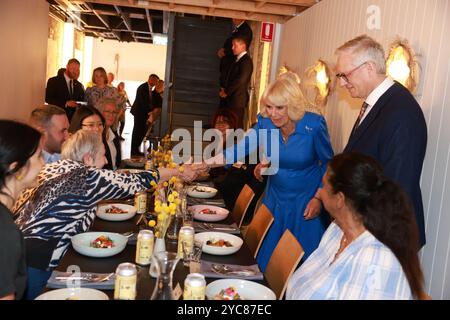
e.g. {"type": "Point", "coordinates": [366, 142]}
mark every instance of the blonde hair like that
{"type": "Point", "coordinates": [80, 143]}
{"type": "Point", "coordinates": [365, 48]}
{"type": "Point", "coordinates": [285, 91]}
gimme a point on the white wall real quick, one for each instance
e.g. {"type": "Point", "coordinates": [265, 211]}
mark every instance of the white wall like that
{"type": "Point", "coordinates": [136, 61]}
{"type": "Point", "coordinates": [318, 31]}
{"type": "Point", "coordinates": [23, 30]}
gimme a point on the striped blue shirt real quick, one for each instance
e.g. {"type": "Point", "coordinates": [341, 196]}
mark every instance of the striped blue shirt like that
{"type": "Point", "coordinates": [365, 270]}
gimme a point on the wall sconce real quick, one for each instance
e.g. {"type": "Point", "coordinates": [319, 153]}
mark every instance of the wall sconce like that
{"type": "Point", "coordinates": [319, 78]}
{"type": "Point", "coordinates": [402, 64]}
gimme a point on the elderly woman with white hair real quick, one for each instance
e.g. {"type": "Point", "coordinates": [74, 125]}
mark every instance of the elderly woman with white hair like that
{"type": "Point", "coordinates": [64, 202]}
{"type": "Point", "coordinates": [298, 145]}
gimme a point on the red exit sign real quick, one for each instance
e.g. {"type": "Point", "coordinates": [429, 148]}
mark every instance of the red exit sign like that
{"type": "Point", "coordinates": [267, 30]}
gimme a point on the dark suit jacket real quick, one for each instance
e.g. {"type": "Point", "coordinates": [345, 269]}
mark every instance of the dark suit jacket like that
{"type": "Point", "coordinates": [395, 133]}
{"type": "Point", "coordinates": [142, 105]}
{"type": "Point", "coordinates": [238, 82]}
{"type": "Point", "coordinates": [116, 142]}
{"type": "Point", "coordinates": [227, 61]}
{"type": "Point", "coordinates": [57, 93]}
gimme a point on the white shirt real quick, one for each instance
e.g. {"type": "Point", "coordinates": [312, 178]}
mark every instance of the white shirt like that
{"type": "Point", "coordinates": [112, 148]}
{"type": "Point", "coordinates": [50, 157]}
{"type": "Point", "coordinates": [241, 55]}
{"type": "Point", "coordinates": [373, 97]}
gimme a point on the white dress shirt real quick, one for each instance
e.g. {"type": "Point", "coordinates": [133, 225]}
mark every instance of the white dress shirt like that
{"type": "Point", "coordinates": [241, 55]}
{"type": "Point", "coordinates": [373, 97]}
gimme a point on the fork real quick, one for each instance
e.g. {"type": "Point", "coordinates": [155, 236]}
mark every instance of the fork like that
{"type": "Point", "coordinates": [210, 226]}
{"type": "Point", "coordinates": [226, 270]}
{"type": "Point", "coordinates": [89, 277]}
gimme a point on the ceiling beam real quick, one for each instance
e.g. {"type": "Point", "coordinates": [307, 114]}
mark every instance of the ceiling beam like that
{"type": "Point", "coordinates": [102, 20]}
{"type": "Point", "coordinates": [126, 20]}
{"type": "Point", "coordinates": [153, 5]}
{"type": "Point", "coordinates": [149, 20]}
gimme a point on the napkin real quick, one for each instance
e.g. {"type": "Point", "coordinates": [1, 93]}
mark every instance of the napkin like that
{"type": "Point", "coordinates": [54, 284]}
{"type": "Point", "coordinates": [206, 270]}
{"type": "Point", "coordinates": [200, 227]}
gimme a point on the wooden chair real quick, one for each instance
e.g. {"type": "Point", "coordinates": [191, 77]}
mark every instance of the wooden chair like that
{"type": "Point", "coordinates": [242, 203]}
{"type": "Point", "coordinates": [282, 263]}
{"type": "Point", "coordinates": [258, 228]}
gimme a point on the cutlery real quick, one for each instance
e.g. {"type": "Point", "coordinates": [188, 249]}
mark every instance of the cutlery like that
{"type": "Point", "coordinates": [89, 277]}
{"type": "Point", "coordinates": [128, 234]}
{"type": "Point", "coordinates": [226, 270]}
{"type": "Point", "coordinates": [210, 226]}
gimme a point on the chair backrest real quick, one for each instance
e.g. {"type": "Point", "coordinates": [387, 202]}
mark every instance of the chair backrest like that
{"type": "Point", "coordinates": [258, 228]}
{"type": "Point", "coordinates": [282, 263]}
{"type": "Point", "coordinates": [242, 203]}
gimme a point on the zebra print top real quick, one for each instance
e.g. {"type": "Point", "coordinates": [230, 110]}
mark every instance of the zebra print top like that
{"type": "Point", "coordinates": [64, 204]}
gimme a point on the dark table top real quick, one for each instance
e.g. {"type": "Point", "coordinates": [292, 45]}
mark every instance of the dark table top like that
{"type": "Point", "coordinates": [145, 283]}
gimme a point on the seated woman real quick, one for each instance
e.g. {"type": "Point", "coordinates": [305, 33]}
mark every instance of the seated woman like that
{"type": "Point", "coordinates": [64, 202]}
{"type": "Point", "coordinates": [87, 118]}
{"type": "Point", "coordinates": [111, 139]}
{"type": "Point", "coordinates": [20, 162]}
{"type": "Point", "coordinates": [370, 250]}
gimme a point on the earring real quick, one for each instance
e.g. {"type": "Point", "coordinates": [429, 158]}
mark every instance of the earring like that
{"type": "Point", "coordinates": [19, 177]}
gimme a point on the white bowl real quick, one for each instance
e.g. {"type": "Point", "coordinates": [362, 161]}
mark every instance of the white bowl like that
{"type": "Point", "coordinates": [248, 290]}
{"type": "Point", "coordinates": [214, 236]}
{"type": "Point", "coordinates": [219, 215]}
{"type": "Point", "coordinates": [101, 212]}
{"type": "Point", "coordinates": [202, 192]}
{"type": "Point", "coordinates": [73, 294]}
{"type": "Point", "coordinates": [82, 244]}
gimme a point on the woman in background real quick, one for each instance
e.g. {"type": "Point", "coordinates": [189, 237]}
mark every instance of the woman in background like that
{"type": "Point", "coordinates": [20, 162]}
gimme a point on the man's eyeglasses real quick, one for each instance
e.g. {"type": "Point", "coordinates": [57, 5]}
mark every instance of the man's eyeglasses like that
{"type": "Point", "coordinates": [92, 125]}
{"type": "Point", "coordinates": [346, 75]}
{"type": "Point", "coordinates": [111, 112]}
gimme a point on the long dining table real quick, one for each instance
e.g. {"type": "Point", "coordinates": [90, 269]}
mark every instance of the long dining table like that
{"type": "Point", "coordinates": [145, 283]}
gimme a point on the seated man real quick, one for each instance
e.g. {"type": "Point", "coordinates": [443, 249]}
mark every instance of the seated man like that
{"type": "Point", "coordinates": [52, 122]}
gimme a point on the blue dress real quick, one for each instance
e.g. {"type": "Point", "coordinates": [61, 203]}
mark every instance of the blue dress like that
{"type": "Point", "coordinates": [302, 163]}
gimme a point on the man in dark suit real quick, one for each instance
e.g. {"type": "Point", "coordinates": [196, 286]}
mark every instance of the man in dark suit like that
{"type": "Point", "coordinates": [235, 90]}
{"type": "Point", "coordinates": [64, 90]}
{"type": "Point", "coordinates": [226, 55]}
{"type": "Point", "coordinates": [141, 108]}
{"type": "Point", "coordinates": [390, 127]}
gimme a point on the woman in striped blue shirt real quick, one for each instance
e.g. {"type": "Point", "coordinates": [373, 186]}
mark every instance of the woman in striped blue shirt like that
{"type": "Point", "coordinates": [65, 200]}
{"type": "Point", "coordinates": [370, 249]}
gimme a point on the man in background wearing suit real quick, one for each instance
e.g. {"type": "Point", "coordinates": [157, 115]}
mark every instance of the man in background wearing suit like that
{"type": "Point", "coordinates": [237, 82]}
{"type": "Point", "coordinates": [141, 108]}
{"type": "Point", "coordinates": [226, 55]}
{"type": "Point", "coordinates": [64, 90]}
{"type": "Point", "coordinates": [391, 126]}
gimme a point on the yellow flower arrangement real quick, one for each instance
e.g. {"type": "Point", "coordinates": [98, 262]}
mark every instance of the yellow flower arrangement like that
{"type": "Point", "coordinates": [166, 202]}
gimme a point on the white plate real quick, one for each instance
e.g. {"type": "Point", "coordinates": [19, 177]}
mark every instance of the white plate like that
{"type": "Point", "coordinates": [73, 294]}
{"type": "Point", "coordinates": [82, 244]}
{"type": "Point", "coordinates": [202, 192]}
{"type": "Point", "coordinates": [101, 212]}
{"type": "Point", "coordinates": [221, 213]}
{"type": "Point", "coordinates": [248, 290]}
{"type": "Point", "coordinates": [135, 162]}
{"type": "Point", "coordinates": [214, 236]}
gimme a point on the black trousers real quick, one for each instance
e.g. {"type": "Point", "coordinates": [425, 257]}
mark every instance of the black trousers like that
{"type": "Point", "coordinates": [139, 131]}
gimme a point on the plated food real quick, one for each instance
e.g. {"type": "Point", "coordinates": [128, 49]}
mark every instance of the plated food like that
{"type": "Point", "coordinates": [102, 242]}
{"type": "Point", "coordinates": [237, 289]}
{"type": "Point", "coordinates": [219, 243]}
{"type": "Point", "coordinates": [203, 192]}
{"type": "Point", "coordinates": [208, 213]}
{"type": "Point", "coordinates": [99, 244]}
{"type": "Point", "coordinates": [115, 211]}
{"type": "Point", "coordinates": [73, 294]}
{"type": "Point", "coordinates": [229, 293]}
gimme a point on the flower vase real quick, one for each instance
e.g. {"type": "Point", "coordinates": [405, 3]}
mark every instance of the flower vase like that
{"type": "Point", "coordinates": [165, 263]}
{"type": "Point", "coordinates": [160, 246]}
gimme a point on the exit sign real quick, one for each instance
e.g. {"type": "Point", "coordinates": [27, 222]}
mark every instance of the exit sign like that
{"type": "Point", "coordinates": [267, 30]}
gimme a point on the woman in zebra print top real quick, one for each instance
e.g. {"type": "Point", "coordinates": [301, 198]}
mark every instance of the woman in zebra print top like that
{"type": "Point", "coordinates": [64, 202]}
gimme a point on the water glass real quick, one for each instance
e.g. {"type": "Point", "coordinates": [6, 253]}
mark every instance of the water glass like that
{"type": "Point", "coordinates": [192, 254]}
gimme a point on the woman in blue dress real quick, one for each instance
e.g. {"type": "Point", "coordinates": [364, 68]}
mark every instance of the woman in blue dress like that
{"type": "Point", "coordinates": [298, 145]}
